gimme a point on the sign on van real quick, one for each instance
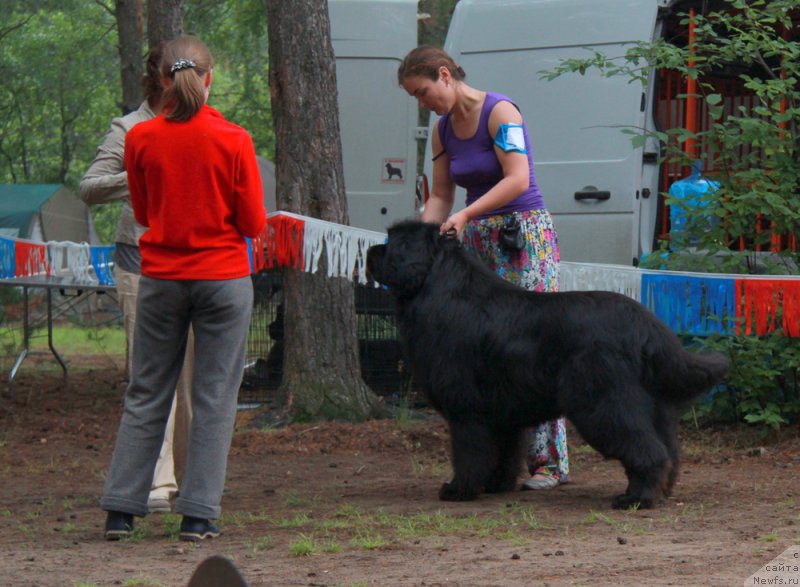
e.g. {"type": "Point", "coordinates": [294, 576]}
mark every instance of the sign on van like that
{"type": "Point", "coordinates": [394, 170]}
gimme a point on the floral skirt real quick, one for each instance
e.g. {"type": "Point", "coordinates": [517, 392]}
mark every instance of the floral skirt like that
{"type": "Point", "coordinates": [534, 268]}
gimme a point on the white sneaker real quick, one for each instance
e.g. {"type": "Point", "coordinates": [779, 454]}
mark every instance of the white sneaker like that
{"type": "Point", "coordinates": [541, 481]}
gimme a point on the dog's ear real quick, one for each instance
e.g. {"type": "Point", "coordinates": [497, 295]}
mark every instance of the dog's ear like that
{"type": "Point", "coordinates": [408, 256]}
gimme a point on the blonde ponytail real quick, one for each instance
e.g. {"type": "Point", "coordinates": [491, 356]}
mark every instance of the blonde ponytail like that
{"type": "Point", "coordinates": [186, 61]}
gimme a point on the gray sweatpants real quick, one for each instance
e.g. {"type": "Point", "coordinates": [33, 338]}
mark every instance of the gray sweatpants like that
{"type": "Point", "coordinates": [219, 312]}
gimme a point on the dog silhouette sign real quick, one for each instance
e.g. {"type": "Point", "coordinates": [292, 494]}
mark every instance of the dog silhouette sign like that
{"type": "Point", "coordinates": [394, 170]}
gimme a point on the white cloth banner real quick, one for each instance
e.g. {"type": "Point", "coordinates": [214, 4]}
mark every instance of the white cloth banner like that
{"type": "Point", "coordinates": [345, 247]}
{"type": "Point", "coordinates": [594, 276]}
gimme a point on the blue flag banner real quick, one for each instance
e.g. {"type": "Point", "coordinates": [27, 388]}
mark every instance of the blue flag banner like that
{"type": "Point", "coordinates": [691, 304]}
{"type": "Point", "coordinates": [102, 258]}
{"type": "Point", "coordinates": [7, 259]}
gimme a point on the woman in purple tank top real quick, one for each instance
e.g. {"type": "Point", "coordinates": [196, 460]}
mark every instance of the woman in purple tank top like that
{"type": "Point", "coordinates": [482, 145]}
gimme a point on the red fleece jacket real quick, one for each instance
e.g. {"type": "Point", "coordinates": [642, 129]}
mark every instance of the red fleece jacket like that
{"type": "Point", "coordinates": [197, 187]}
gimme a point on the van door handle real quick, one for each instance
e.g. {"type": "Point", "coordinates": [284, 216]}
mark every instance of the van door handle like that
{"type": "Point", "coordinates": [590, 192]}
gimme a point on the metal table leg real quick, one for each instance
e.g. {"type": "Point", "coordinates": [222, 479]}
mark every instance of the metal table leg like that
{"type": "Point", "coordinates": [25, 343]}
{"type": "Point", "coordinates": [26, 337]}
{"type": "Point", "coordinates": [50, 334]}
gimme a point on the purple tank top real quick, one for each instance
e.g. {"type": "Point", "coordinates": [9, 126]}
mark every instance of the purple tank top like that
{"type": "Point", "coordinates": [475, 167]}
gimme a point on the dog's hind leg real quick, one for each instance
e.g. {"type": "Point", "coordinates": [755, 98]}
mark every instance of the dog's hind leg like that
{"type": "Point", "coordinates": [474, 459]}
{"type": "Point", "coordinates": [666, 424]}
{"type": "Point", "coordinates": [646, 461]}
{"type": "Point", "coordinates": [622, 428]}
{"type": "Point", "coordinates": [644, 486]}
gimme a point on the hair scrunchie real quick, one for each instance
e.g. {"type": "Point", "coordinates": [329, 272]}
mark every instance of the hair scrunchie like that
{"type": "Point", "coordinates": [181, 64]}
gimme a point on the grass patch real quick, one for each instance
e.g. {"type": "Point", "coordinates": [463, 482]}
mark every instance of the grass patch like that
{"type": "Point", "coordinates": [430, 469]}
{"type": "Point", "coordinates": [171, 523]}
{"type": "Point", "coordinates": [72, 339]}
{"type": "Point", "coordinates": [771, 537]}
{"type": "Point", "coordinates": [305, 545]}
{"type": "Point", "coordinates": [261, 544]}
{"type": "Point", "coordinates": [311, 544]}
{"type": "Point", "coordinates": [295, 499]}
{"type": "Point", "coordinates": [140, 582]}
{"type": "Point", "coordinates": [297, 521]}
{"type": "Point", "coordinates": [368, 530]}
{"type": "Point", "coordinates": [368, 541]}
{"type": "Point", "coordinates": [631, 525]}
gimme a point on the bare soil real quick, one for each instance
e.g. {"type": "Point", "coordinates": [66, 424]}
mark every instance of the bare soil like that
{"type": "Point", "coordinates": [360, 502]}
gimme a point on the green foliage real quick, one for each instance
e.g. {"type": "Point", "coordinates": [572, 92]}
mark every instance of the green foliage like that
{"type": "Point", "coordinates": [57, 88]}
{"type": "Point", "coordinates": [756, 152]}
{"type": "Point", "coordinates": [105, 221]}
{"type": "Point", "coordinates": [764, 385]}
{"type": "Point", "coordinates": [236, 33]}
{"type": "Point", "coordinates": [756, 159]}
{"type": "Point", "coordinates": [62, 85]}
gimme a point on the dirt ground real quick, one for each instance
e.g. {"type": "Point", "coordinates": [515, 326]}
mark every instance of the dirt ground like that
{"type": "Point", "coordinates": [355, 505]}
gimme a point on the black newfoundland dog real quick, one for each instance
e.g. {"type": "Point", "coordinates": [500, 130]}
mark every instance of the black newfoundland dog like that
{"type": "Point", "coordinates": [495, 359]}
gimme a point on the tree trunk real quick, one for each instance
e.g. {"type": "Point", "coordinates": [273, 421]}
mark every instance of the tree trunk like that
{"type": "Point", "coordinates": [164, 20]}
{"type": "Point", "coordinates": [321, 375]}
{"type": "Point", "coordinates": [128, 14]}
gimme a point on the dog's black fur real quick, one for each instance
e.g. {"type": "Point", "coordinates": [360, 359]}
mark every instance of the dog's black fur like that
{"type": "Point", "coordinates": [495, 359]}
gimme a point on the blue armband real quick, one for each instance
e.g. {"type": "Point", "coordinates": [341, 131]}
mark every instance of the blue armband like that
{"type": "Point", "coordinates": [510, 137]}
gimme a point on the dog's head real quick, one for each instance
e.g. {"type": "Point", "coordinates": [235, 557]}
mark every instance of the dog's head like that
{"type": "Point", "coordinates": [404, 262]}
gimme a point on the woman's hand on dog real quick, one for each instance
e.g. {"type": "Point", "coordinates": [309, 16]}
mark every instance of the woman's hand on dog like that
{"type": "Point", "coordinates": [456, 223]}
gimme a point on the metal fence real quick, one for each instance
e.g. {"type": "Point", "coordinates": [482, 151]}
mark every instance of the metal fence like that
{"type": "Point", "coordinates": [382, 366]}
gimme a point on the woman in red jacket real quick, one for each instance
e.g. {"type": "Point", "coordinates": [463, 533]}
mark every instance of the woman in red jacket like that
{"type": "Point", "coordinates": [195, 185]}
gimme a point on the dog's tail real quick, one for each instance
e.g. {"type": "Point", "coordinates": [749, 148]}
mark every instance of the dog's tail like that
{"type": "Point", "coordinates": [691, 374]}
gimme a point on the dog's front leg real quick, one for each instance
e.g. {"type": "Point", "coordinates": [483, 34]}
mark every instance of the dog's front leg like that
{"type": "Point", "coordinates": [472, 458]}
{"type": "Point", "coordinates": [507, 443]}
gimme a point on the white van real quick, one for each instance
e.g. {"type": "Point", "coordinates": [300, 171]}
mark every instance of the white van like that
{"type": "Point", "coordinates": [378, 122]}
{"type": "Point", "coordinates": [601, 191]}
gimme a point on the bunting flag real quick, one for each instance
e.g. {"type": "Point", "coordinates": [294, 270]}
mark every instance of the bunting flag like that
{"type": "Point", "coordinates": [595, 276]}
{"type": "Point", "coordinates": [256, 251]}
{"type": "Point", "coordinates": [68, 262]}
{"type": "Point", "coordinates": [70, 259]}
{"type": "Point", "coordinates": [258, 255]}
{"type": "Point", "coordinates": [767, 305]}
{"type": "Point", "coordinates": [300, 242]}
{"type": "Point", "coordinates": [689, 304]}
{"type": "Point", "coordinates": [102, 259]}
{"type": "Point", "coordinates": [7, 262]}
{"type": "Point", "coordinates": [284, 241]}
{"type": "Point", "coordinates": [30, 259]}
{"type": "Point", "coordinates": [699, 303]}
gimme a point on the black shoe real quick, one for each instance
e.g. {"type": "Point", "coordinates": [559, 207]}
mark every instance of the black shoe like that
{"type": "Point", "coordinates": [118, 525]}
{"type": "Point", "coordinates": [194, 529]}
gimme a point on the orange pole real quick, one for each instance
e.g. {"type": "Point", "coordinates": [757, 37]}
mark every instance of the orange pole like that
{"type": "Point", "coordinates": [690, 148]}
{"type": "Point", "coordinates": [666, 104]}
{"type": "Point", "coordinates": [776, 242]}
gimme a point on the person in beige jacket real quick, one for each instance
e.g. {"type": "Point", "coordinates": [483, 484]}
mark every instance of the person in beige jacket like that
{"type": "Point", "coordinates": [104, 182]}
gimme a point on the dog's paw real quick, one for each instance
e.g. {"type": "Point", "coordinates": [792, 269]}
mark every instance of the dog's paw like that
{"type": "Point", "coordinates": [449, 492]}
{"type": "Point", "coordinates": [624, 501]}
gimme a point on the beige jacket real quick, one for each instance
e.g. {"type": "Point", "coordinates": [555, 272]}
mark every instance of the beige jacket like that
{"type": "Point", "coordinates": [106, 180]}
